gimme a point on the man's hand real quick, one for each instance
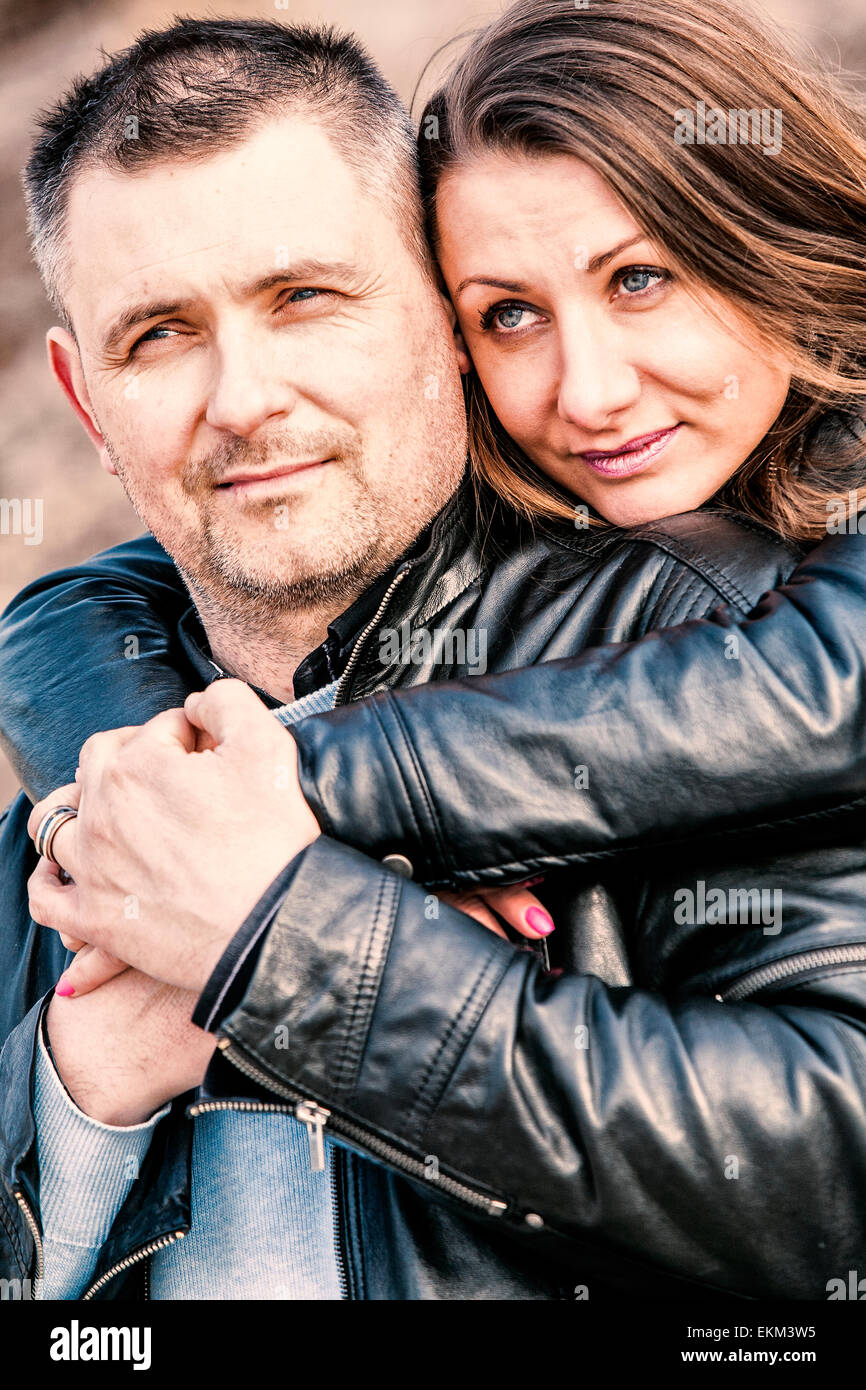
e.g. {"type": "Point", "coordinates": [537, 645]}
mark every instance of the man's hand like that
{"type": "Point", "coordinates": [128, 1048]}
{"type": "Point", "coordinates": [182, 825]}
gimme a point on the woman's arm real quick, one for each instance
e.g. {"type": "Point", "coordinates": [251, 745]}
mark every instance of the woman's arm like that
{"type": "Point", "coordinates": [678, 738]}
{"type": "Point", "coordinates": [716, 726]}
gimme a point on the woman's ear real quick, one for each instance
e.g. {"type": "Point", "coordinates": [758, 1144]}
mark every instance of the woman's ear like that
{"type": "Point", "coordinates": [64, 360]}
{"type": "Point", "coordinates": [464, 361]}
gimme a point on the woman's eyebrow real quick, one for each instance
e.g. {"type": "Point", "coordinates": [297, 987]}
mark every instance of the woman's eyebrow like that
{"type": "Point", "coordinates": [513, 286]}
{"type": "Point", "coordinates": [517, 287]}
{"type": "Point", "coordinates": [598, 261]}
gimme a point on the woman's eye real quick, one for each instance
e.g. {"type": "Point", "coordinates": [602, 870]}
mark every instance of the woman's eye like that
{"type": "Point", "coordinates": [509, 318]}
{"type": "Point", "coordinates": [636, 280]}
{"type": "Point", "coordinates": [506, 318]}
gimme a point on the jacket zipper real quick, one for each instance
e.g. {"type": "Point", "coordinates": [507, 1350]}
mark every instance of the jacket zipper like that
{"type": "Point", "coordinates": [355, 654]}
{"type": "Point", "coordinates": [133, 1259]}
{"type": "Point", "coordinates": [763, 975]}
{"type": "Point", "coordinates": [315, 1117]}
{"type": "Point", "coordinates": [33, 1226]}
{"type": "Point", "coordinates": [342, 1272]}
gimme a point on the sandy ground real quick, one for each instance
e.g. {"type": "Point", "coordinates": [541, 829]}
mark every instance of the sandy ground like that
{"type": "Point", "coordinates": [43, 452]}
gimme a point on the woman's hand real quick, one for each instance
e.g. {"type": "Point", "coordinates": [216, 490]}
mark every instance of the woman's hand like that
{"type": "Point", "coordinates": [514, 904]}
{"type": "Point", "coordinates": [521, 909]}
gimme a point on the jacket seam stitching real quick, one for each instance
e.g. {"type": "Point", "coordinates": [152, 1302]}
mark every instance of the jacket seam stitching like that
{"type": "Point", "coordinates": [367, 991]}
{"type": "Point", "coordinates": [449, 1068]}
{"type": "Point", "coordinates": [718, 580]}
{"type": "Point", "coordinates": [424, 1106]}
{"type": "Point", "coordinates": [397, 763]}
{"type": "Point", "coordinates": [423, 786]}
{"type": "Point", "coordinates": [682, 592]}
{"type": "Point", "coordinates": [589, 856]}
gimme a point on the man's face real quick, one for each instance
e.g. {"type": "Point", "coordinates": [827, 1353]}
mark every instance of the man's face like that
{"type": "Point", "coordinates": [271, 374]}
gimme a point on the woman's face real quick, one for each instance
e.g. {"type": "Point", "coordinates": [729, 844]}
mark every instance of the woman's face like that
{"type": "Point", "coordinates": [613, 379]}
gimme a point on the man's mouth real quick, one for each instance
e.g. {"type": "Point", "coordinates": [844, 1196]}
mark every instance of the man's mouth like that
{"type": "Point", "coordinates": [631, 457]}
{"type": "Point", "coordinates": [249, 482]}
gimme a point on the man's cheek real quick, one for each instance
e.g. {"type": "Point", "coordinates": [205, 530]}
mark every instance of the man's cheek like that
{"type": "Point", "coordinates": [157, 405]}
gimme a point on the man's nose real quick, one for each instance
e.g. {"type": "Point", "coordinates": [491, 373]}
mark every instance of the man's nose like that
{"type": "Point", "coordinates": [247, 389]}
{"type": "Point", "coordinates": [597, 379]}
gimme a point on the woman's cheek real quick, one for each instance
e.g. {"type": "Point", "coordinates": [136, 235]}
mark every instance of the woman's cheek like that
{"type": "Point", "coordinates": [516, 387]}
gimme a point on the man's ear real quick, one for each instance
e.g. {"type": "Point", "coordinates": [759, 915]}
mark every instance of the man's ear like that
{"type": "Point", "coordinates": [64, 360]}
{"type": "Point", "coordinates": [464, 361]}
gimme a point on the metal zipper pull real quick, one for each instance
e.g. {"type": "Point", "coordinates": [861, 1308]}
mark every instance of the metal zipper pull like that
{"type": "Point", "coordinates": [315, 1117]}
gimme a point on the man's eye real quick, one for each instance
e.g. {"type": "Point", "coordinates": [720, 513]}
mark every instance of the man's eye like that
{"type": "Point", "coordinates": [154, 335]}
{"type": "Point", "coordinates": [305, 295]}
{"type": "Point", "coordinates": [637, 280]}
{"type": "Point", "coordinates": [507, 318]}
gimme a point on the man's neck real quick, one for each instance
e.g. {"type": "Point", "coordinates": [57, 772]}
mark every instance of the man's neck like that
{"type": "Point", "coordinates": [266, 649]}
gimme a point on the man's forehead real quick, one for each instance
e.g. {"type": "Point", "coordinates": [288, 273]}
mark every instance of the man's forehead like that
{"type": "Point", "coordinates": [284, 195]}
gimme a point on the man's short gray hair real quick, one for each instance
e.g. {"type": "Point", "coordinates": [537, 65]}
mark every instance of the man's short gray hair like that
{"type": "Point", "coordinates": [199, 87]}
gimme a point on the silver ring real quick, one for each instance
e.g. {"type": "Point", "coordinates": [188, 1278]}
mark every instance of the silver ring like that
{"type": "Point", "coordinates": [48, 828]}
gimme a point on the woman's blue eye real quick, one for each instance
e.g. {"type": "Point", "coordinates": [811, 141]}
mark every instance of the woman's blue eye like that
{"type": "Point", "coordinates": [504, 318]}
{"type": "Point", "coordinates": [637, 279]}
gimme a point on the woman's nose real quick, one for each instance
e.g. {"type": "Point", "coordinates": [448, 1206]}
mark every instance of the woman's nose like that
{"type": "Point", "coordinates": [596, 378]}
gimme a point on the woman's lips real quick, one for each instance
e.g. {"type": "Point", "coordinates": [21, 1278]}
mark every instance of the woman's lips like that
{"type": "Point", "coordinates": [639, 453]}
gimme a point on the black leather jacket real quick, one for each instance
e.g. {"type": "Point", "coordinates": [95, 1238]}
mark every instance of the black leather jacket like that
{"type": "Point", "coordinates": [675, 1106]}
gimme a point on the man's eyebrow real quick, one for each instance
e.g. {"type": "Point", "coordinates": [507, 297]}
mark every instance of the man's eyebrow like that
{"type": "Point", "coordinates": [309, 269]}
{"type": "Point", "coordinates": [517, 287]}
{"type": "Point", "coordinates": [140, 313]}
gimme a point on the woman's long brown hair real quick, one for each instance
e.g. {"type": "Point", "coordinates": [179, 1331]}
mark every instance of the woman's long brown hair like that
{"type": "Point", "coordinates": [781, 236]}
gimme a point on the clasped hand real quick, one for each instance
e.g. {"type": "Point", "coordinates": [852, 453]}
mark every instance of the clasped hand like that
{"type": "Point", "coordinates": [182, 825]}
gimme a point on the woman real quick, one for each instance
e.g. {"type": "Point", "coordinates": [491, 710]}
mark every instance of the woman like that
{"type": "Point", "coordinates": [703, 293]}
{"type": "Point", "coordinates": [613, 353]}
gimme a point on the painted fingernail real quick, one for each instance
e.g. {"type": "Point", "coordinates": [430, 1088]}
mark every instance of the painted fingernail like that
{"type": "Point", "coordinates": [539, 920]}
{"type": "Point", "coordinates": [64, 988]}
{"type": "Point", "coordinates": [531, 882]}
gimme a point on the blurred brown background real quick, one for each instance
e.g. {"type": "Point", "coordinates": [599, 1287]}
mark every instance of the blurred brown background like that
{"type": "Point", "coordinates": [43, 451]}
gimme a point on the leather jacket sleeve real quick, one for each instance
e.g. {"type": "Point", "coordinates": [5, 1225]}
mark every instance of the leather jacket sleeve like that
{"type": "Point", "coordinates": [721, 1140]}
{"type": "Point", "coordinates": [85, 649]}
{"type": "Point", "coordinates": [713, 742]}
{"type": "Point", "coordinates": [720, 725]}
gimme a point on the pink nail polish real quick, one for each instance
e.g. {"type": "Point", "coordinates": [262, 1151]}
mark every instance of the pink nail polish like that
{"type": "Point", "coordinates": [64, 989]}
{"type": "Point", "coordinates": [539, 920]}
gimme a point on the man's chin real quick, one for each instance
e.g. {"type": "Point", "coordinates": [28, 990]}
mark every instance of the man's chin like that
{"type": "Point", "coordinates": [280, 576]}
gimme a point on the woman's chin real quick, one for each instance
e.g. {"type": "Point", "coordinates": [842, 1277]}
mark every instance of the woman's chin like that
{"type": "Point", "coordinates": [634, 501]}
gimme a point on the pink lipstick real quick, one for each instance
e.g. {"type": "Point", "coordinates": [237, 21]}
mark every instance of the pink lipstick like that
{"type": "Point", "coordinates": [631, 457]}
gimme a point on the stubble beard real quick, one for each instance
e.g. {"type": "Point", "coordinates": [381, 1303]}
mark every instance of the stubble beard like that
{"type": "Point", "coordinates": [349, 548]}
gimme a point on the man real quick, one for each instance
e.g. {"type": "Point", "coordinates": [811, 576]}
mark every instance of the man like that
{"type": "Point", "coordinates": [219, 385]}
